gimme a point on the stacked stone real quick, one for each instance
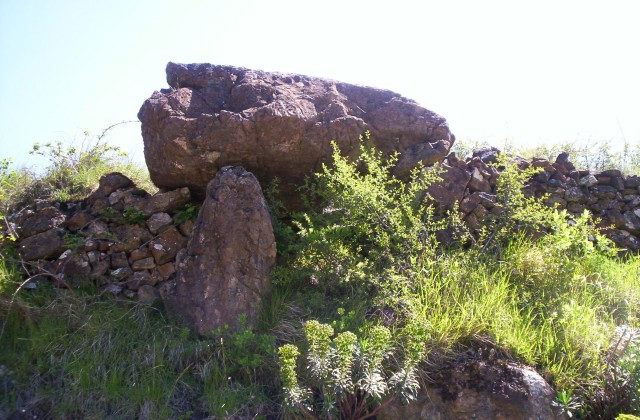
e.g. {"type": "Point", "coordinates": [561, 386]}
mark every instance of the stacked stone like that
{"type": "Point", "coordinates": [93, 241]}
{"type": "Point", "coordinates": [608, 195]}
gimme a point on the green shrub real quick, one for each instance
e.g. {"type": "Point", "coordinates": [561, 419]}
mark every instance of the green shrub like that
{"type": "Point", "coordinates": [352, 375]}
{"type": "Point", "coordinates": [189, 212]}
{"type": "Point", "coordinates": [372, 228]}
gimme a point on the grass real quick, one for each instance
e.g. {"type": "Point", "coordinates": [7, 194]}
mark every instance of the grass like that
{"type": "Point", "coordinates": [557, 303]}
{"type": "Point", "coordinates": [102, 357]}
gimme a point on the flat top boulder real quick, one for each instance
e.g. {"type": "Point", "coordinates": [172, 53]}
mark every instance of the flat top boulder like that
{"type": "Point", "coordinates": [275, 125]}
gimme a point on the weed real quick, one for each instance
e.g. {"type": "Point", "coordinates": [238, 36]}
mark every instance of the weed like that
{"type": "Point", "coordinates": [73, 240]}
{"type": "Point", "coordinates": [189, 212]}
{"type": "Point", "coordinates": [133, 216]}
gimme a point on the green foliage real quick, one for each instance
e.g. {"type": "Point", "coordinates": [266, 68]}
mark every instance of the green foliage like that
{"type": "Point", "coordinates": [133, 216]}
{"type": "Point", "coordinates": [189, 212]}
{"type": "Point", "coordinates": [351, 374]}
{"type": "Point", "coordinates": [12, 184]}
{"type": "Point", "coordinates": [593, 155]}
{"type": "Point", "coordinates": [72, 172]}
{"type": "Point", "coordinates": [283, 232]}
{"type": "Point", "coordinates": [370, 229]}
{"type": "Point", "coordinates": [86, 357]}
{"type": "Point", "coordinates": [244, 350]}
{"type": "Point", "coordinates": [383, 303]}
{"type": "Point", "coordinates": [73, 240]}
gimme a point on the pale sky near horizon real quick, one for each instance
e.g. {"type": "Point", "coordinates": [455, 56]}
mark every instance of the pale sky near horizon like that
{"type": "Point", "coordinates": [543, 71]}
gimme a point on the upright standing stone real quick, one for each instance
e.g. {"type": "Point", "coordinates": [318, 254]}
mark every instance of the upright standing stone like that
{"type": "Point", "coordinates": [229, 255]}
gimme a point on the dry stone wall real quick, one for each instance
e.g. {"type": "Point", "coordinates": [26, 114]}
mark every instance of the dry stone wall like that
{"type": "Point", "coordinates": [609, 195]}
{"type": "Point", "coordinates": [120, 237]}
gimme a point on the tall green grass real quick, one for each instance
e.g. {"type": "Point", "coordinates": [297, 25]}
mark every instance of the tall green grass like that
{"type": "Point", "coordinates": [365, 260]}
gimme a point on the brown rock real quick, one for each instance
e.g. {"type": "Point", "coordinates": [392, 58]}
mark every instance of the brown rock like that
{"type": "Point", "coordinates": [274, 125]}
{"type": "Point", "coordinates": [122, 274]}
{"type": "Point", "coordinates": [165, 247]}
{"type": "Point", "coordinates": [544, 164]}
{"type": "Point", "coordinates": [160, 202]}
{"type": "Point", "coordinates": [230, 254]}
{"type": "Point", "coordinates": [138, 254]}
{"type": "Point", "coordinates": [480, 390]}
{"type": "Point", "coordinates": [72, 269]}
{"type": "Point", "coordinates": [143, 264]}
{"type": "Point", "coordinates": [78, 221]}
{"type": "Point", "coordinates": [574, 194]}
{"type": "Point", "coordinates": [158, 222]}
{"type": "Point", "coordinates": [468, 204]}
{"type": "Point", "coordinates": [451, 189]}
{"type": "Point", "coordinates": [632, 182]}
{"type": "Point", "coordinates": [479, 182]}
{"type": "Point", "coordinates": [119, 259]}
{"type": "Point", "coordinates": [187, 227]}
{"type": "Point", "coordinates": [166, 270]}
{"type": "Point", "coordinates": [141, 278]}
{"type": "Point", "coordinates": [563, 164]}
{"type": "Point", "coordinates": [45, 245]}
{"type": "Point", "coordinates": [487, 154]}
{"type": "Point", "coordinates": [623, 239]}
{"type": "Point", "coordinates": [108, 184]}
{"type": "Point", "coordinates": [40, 221]}
{"type": "Point", "coordinates": [129, 237]}
{"type": "Point", "coordinates": [100, 263]}
{"type": "Point", "coordinates": [148, 295]}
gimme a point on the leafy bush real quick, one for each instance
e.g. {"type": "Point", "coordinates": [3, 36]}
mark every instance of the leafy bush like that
{"type": "Point", "coordinates": [349, 374]}
{"type": "Point", "coordinates": [372, 229]}
{"type": "Point", "coordinates": [189, 212]}
{"type": "Point", "coordinates": [71, 174]}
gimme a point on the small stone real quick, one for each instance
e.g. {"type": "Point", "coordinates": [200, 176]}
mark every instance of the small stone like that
{"type": "Point", "coordinates": [165, 246]}
{"type": "Point", "coordinates": [138, 254]}
{"type": "Point", "coordinates": [119, 260]}
{"type": "Point", "coordinates": [158, 222]}
{"type": "Point", "coordinates": [478, 182]}
{"type": "Point", "coordinates": [114, 288]}
{"type": "Point", "coordinates": [78, 221]}
{"type": "Point", "coordinates": [143, 264]}
{"type": "Point", "coordinates": [148, 295]}
{"type": "Point", "coordinates": [186, 228]}
{"type": "Point", "coordinates": [90, 245]}
{"type": "Point", "coordinates": [122, 273]}
{"type": "Point", "coordinates": [141, 278]}
{"type": "Point", "coordinates": [574, 194]}
{"type": "Point", "coordinates": [166, 270]}
{"type": "Point", "coordinates": [115, 196]}
{"type": "Point", "coordinates": [632, 182]}
{"type": "Point", "coordinates": [588, 181]}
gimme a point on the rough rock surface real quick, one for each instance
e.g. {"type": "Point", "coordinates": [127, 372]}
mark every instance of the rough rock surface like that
{"type": "Point", "coordinates": [480, 390]}
{"type": "Point", "coordinates": [607, 195]}
{"type": "Point", "coordinates": [274, 125]}
{"type": "Point", "coordinates": [229, 255]}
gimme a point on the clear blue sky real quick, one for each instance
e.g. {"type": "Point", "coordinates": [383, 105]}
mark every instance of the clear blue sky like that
{"type": "Point", "coordinates": [535, 71]}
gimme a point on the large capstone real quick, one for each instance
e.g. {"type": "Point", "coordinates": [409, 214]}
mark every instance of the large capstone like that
{"type": "Point", "coordinates": [275, 125]}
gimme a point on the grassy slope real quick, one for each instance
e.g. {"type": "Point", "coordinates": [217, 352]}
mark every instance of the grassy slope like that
{"type": "Point", "coordinates": [549, 305]}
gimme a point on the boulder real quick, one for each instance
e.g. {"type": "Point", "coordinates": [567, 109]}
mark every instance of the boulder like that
{"type": "Point", "coordinates": [165, 247]}
{"type": "Point", "coordinates": [480, 390]}
{"type": "Point", "coordinates": [229, 256]}
{"type": "Point", "coordinates": [108, 184]}
{"type": "Point", "coordinates": [45, 245]}
{"type": "Point", "coordinates": [275, 125]}
{"type": "Point", "coordinates": [41, 221]}
{"type": "Point", "coordinates": [451, 188]}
